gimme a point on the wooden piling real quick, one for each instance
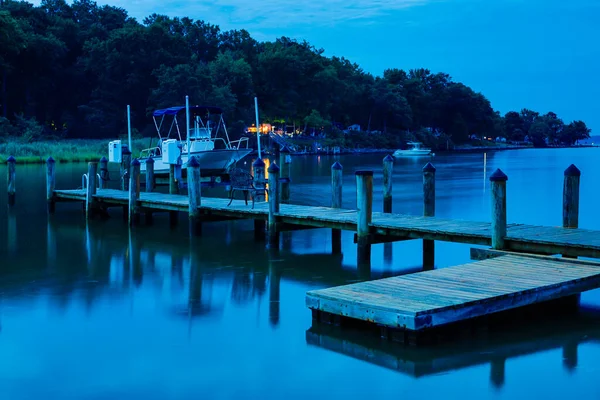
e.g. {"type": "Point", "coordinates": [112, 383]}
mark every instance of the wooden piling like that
{"type": "Point", "coordinates": [173, 189]}
{"type": "Point", "coordinates": [103, 173]}
{"type": "Point", "coordinates": [364, 205]}
{"type": "Point", "coordinates": [498, 183]}
{"type": "Point", "coordinates": [259, 182]}
{"type": "Point", "coordinates": [11, 178]}
{"type": "Point", "coordinates": [336, 202]}
{"type": "Point", "coordinates": [90, 192]}
{"type": "Point", "coordinates": [125, 168]}
{"type": "Point", "coordinates": [571, 197]}
{"type": "Point", "coordinates": [50, 184]}
{"type": "Point", "coordinates": [428, 211]}
{"type": "Point", "coordinates": [149, 174]}
{"type": "Point", "coordinates": [273, 231]}
{"type": "Point", "coordinates": [195, 195]}
{"type": "Point", "coordinates": [134, 193]}
{"type": "Point", "coordinates": [284, 175]}
{"type": "Point", "coordinates": [388, 170]}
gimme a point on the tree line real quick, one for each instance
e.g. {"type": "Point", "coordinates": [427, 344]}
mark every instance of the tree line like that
{"type": "Point", "coordinates": [69, 70]}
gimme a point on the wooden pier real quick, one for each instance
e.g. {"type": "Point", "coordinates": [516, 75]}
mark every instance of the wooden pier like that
{"type": "Point", "coordinates": [431, 299]}
{"type": "Point", "coordinates": [413, 303]}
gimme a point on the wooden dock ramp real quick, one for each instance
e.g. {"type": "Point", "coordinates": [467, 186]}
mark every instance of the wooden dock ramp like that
{"type": "Point", "coordinates": [430, 299]}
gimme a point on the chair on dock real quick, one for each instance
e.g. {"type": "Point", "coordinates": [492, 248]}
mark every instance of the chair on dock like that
{"type": "Point", "coordinates": [244, 181]}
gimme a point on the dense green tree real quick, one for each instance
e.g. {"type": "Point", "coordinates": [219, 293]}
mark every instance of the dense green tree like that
{"type": "Point", "coordinates": [72, 68]}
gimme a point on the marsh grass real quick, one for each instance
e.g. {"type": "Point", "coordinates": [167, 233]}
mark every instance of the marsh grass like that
{"type": "Point", "coordinates": [64, 150]}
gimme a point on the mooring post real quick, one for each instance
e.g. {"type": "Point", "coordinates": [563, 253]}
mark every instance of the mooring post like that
{"type": "Point", "coordinates": [173, 189]}
{"type": "Point", "coordinates": [103, 173]}
{"type": "Point", "coordinates": [364, 204]}
{"type": "Point", "coordinates": [150, 174]}
{"type": "Point", "coordinates": [149, 184]}
{"type": "Point", "coordinates": [388, 170]}
{"type": "Point", "coordinates": [285, 179]}
{"type": "Point", "coordinates": [134, 193]}
{"type": "Point", "coordinates": [90, 191]}
{"type": "Point", "coordinates": [571, 197]}
{"type": "Point", "coordinates": [11, 178]}
{"type": "Point", "coordinates": [336, 202]}
{"type": "Point", "coordinates": [428, 211]}
{"type": "Point", "coordinates": [259, 182]}
{"type": "Point", "coordinates": [498, 183]}
{"type": "Point", "coordinates": [195, 195]}
{"type": "Point", "coordinates": [50, 184]}
{"type": "Point", "coordinates": [125, 168]}
{"type": "Point", "coordinates": [273, 205]}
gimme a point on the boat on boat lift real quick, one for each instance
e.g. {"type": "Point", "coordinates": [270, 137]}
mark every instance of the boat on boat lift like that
{"type": "Point", "coordinates": [205, 137]}
{"type": "Point", "coordinates": [414, 150]}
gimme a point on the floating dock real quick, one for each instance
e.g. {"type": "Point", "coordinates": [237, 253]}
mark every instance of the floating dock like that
{"type": "Point", "coordinates": [430, 299]}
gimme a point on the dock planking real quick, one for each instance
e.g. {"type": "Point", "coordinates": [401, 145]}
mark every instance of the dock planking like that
{"type": "Point", "coordinates": [523, 238]}
{"type": "Point", "coordinates": [435, 298]}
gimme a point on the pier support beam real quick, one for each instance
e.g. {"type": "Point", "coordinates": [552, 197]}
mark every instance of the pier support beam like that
{"type": "Point", "coordinates": [11, 176]}
{"type": "Point", "coordinates": [571, 197]}
{"type": "Point", "coordinates": [273, 171]}
{"type": "Point", "coordinates": [259, 182]}
{"type": "Point", "coordinates": [50, 184]}
{"type": "Point", "coordinates": [90, 192]}
{"type": "Point", "coordinates": [336, 202]}
{"type": "Point", "coordinates": [195, 196]}
{"type": "Point", "coordinates": [103, 173]}
{"type": "Point", "coordinates": [498, 182]}
{"type": "Point", "coordinates": [149, 184]}
{"type": "Point", "coordinates": [284, 175]}
{"type": "Point", "coordinates": [364, 205]}
{"type": "Point", "coordinates": [428, 211]}
{"type": "Point", "coordinates": [134, 193]}
{"type": "Point", "coordinates": [388, 171]}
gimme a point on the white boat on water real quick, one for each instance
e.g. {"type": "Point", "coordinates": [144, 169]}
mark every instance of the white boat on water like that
{"type": "Point", "coordinates": [415, 150]}
{"type": "Point", "coordinates": [206, 138]}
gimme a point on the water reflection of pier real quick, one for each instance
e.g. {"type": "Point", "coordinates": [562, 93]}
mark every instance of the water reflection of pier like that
{"type": "Point", "coordinates": [195, 279]}
{"type": "Point", "coordinates": [492, 348]}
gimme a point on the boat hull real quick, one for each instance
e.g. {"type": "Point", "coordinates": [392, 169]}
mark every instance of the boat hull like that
{"type": "Point", "coordinates": [411, 153]}
{"type": "Point", "coordinates": [212, 162]}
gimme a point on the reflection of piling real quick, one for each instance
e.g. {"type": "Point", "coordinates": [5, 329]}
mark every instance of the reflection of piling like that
{"type": "Point", "coordinates": [11, 163]}
{"type": "Point", "coordinates": [273, 205]}
{"type": "Point", "coordinates": [428, 211]}
{"type": "Point", "coordinates": [388, 171]}
{"type": "Point", "coordinates": [336, 202]}
{"type": "Point", "coordinates": [498, 184]}
{"type": "Point", "coordinates": [497, 372]}
{"type": "Point", "coordinates": [570, 356]}
{"type": "Point", "coordinates": [134, 193]}
{"type": "Point", "coordinates": [259, 182]}
{"type": "Point", "coordinates": [195, 196]}
{"type": "Point", "coordinates": [50, 184]}
{"type": "Point", "coordinates": [571, 197]}
{"type": "Point", "coordinates": [274, 289]}
{"type": "Point", "coordinates": [364, 204]}
{"type": "Point", "coordinates": [12, 231]}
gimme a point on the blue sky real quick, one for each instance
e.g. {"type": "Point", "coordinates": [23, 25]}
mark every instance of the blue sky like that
{"type": "Point", "coordinates": [538, 54]}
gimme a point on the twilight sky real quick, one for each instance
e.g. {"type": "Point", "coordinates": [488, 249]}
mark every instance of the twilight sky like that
{"type": "Point", "coordinates": [538, 54]}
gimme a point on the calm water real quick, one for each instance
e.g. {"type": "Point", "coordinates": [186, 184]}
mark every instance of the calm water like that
{"type": "Point", "coordinates": [97, 312]}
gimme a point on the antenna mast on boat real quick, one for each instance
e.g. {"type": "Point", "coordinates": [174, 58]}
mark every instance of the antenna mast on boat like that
{"type": "Point", "coordinates": [129, 126]}
{"type": "Point", "coordinates": [257, 126]}
{"type": "Point", "coordinates": [187, 123]}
